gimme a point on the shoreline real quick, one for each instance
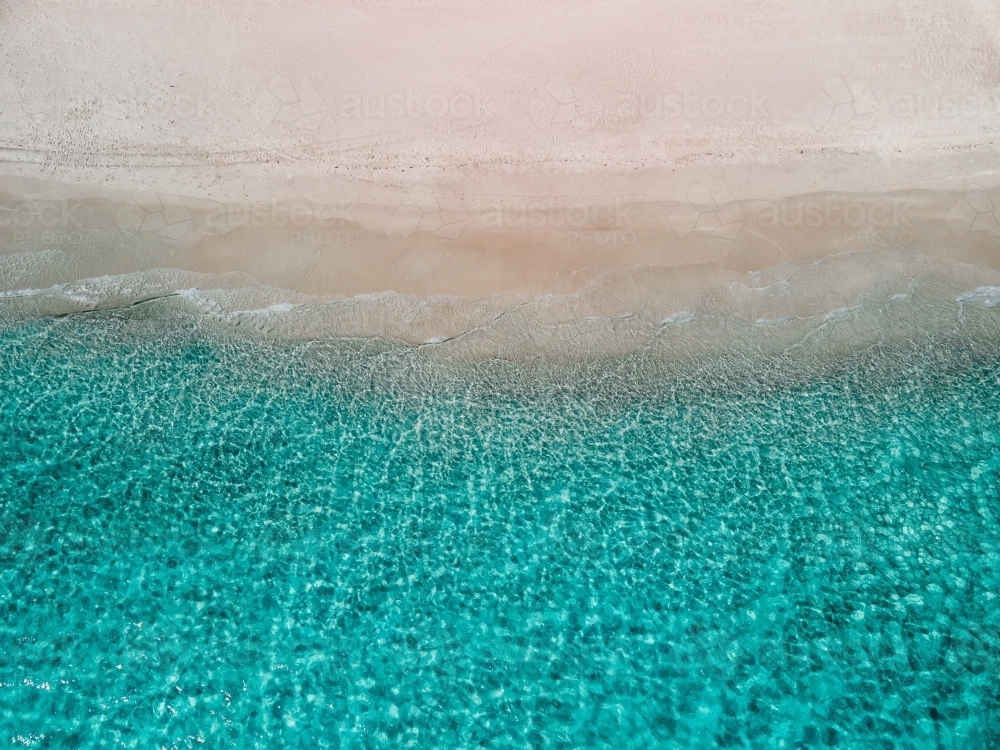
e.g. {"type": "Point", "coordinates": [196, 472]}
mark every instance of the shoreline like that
{"type": "Point", "coordinates": [810, 313]}
{"type": "Point", "coordinates": [530, 277]}
{"type": "Point", "coordinates": [440, 171]}
{"type": "Point", "coordinates": [425, 243]}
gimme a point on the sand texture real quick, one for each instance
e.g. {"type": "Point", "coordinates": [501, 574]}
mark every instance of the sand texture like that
{"type": "Point", "coordinates": [498, 153]}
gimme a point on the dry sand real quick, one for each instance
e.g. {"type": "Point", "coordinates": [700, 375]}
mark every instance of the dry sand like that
{"type": "Point", "coordinates": [502, 152]}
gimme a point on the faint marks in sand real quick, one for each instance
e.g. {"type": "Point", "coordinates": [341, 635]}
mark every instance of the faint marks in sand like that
{"type": "Point", "coordinates": [566, 103]}
{"type": "Point", "coordinates": [976, 211]}
{"type": "Point", "coordinates": [707, 212]}
{"type": "Point", "coordinates": [283, 102]}
{"type": "Point", "coordinates": [160, 214]}
{"type": "Point", "coordinates": [837, 103]}
{"type": "Point", "coordinates": [20, 105]}
{"type": "Point", "coordinates": [425, 211]}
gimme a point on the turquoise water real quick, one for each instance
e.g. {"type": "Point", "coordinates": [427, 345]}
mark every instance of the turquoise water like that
{"type": "Point", "coordinates": [227, 541]}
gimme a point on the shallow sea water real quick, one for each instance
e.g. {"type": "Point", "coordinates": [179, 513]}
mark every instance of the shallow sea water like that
{"type": "Point", "coordinates": [220, 540]}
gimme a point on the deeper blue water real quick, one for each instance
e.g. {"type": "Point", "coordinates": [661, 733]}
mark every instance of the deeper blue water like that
{"type": "Point", "coordinates": [225, 541]}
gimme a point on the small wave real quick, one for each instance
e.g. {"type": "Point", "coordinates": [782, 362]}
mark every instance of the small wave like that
{"type": "Point", "coordinates": [773, 321]}
{"type": "Point", "coordinates": [21, 293]}
{"type": "Point", "coordinates": [680, 318]}
{"type": "Point", "coordinates": [281, 307]}
{"type": "Point", "coordinates": [840, 312]}
{"type": "Point", "coordinates": [81, 292]}
{"type": "Point", "coordinates": [373, 297]}
{"type": "Point", "coordinates": [989, 296]}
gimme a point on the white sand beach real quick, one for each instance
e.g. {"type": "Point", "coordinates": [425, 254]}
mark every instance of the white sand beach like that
{"type": "Point", "coordinates": [493, 153]}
